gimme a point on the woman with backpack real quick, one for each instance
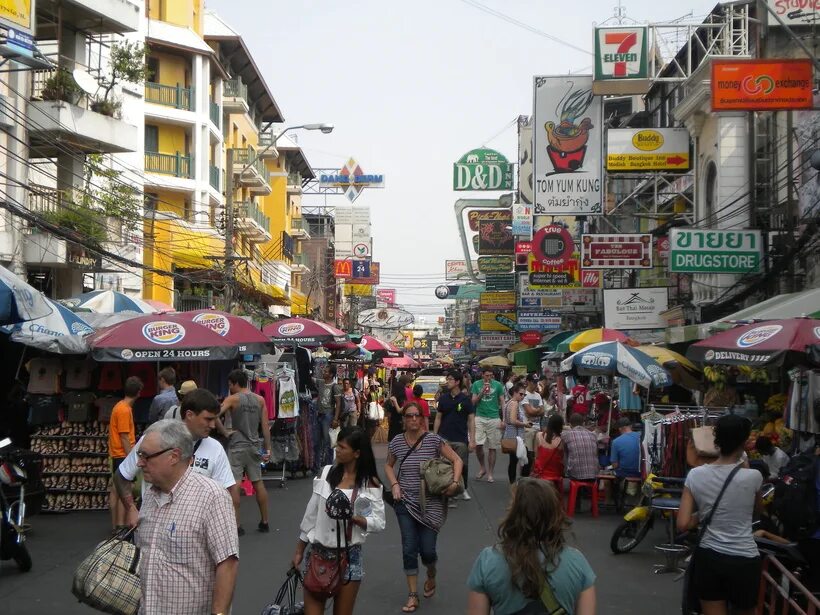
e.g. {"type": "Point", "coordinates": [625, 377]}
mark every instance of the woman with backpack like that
{"type": "Point", "coordinates": [531, 569]}
{"type": "Point", "coordinates": [726, 564]}
{"type": "Point", "coordinates": [346, 505]}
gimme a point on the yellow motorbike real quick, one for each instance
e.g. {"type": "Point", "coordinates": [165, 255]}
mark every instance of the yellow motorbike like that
{"type": "Point", "coordinates": [638, 521]}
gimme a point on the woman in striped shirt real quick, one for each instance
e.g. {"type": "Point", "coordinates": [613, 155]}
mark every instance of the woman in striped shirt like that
{"type": "Point", "coordinates": [419, 530]}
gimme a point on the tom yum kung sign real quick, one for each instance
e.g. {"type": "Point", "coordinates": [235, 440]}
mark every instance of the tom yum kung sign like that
{"type": "Point", "coordinates": [483, 169]}
{"type": "Point", "coordinates": [710, 251]}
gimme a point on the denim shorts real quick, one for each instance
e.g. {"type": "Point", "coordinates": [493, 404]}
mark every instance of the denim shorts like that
{"type": "Point", "coordinates": [355, 570]}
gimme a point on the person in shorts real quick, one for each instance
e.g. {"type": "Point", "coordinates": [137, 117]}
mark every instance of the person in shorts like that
{"type": "Point", "coordinates": [121, 439]}
{"type": "Point", "coordinates": [488, 401]}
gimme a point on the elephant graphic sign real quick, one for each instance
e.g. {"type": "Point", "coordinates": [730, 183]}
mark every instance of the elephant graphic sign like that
{"type": "Point", "coordinates": [481, 170]}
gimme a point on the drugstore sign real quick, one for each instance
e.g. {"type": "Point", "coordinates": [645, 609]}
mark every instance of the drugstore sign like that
{"type": "Point", "coordinates": [713, 251]}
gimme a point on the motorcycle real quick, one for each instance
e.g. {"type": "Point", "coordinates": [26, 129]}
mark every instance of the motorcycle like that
{"type": "Point", "coordinates": [638, 521]}
{"type": "Point", "coordinates": [13, 513]}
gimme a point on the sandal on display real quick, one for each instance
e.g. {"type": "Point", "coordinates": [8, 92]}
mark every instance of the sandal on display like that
{"type": "Point", "coordinates": [413, 603]}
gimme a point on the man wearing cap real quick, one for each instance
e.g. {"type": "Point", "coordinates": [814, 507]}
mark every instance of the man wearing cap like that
{"type": "Point", "coordinates": [184, 389]}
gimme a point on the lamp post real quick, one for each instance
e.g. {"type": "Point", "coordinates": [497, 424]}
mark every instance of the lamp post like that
{"type": "Point", "coordinates": [233, 184]}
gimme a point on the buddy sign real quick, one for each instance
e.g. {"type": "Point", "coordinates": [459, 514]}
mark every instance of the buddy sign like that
{"type": "Point", "coordinates": [647, 149]}
{"type": "Point", "coordinates": [483, 169]}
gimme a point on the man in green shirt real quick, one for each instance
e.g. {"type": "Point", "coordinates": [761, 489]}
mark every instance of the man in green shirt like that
{"type": "Point", "coordinates": [488, 400]}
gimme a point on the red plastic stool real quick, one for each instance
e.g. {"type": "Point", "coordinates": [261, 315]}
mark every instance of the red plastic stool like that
{"type": "Point", "coordinates": [247, 486]}
{"type": "Point", "coordinates": [574, 486]}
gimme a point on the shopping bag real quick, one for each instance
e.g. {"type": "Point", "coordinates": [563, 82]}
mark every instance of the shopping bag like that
{"type": "Point", "coordinates": [374, 411]}
{"type": "Point", "coordinates": [285, 601]}
{"type": "Point", "coordinates": [108, 579]}
{"type": "Point", "coordinates": [334, 435]}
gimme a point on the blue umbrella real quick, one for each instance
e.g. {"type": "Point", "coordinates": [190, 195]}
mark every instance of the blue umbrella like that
{"type": "Point", "coordinates": [19, 302]}
{"type": "Point", "coordinates": [61, 332]}
{"type": "Point", "coordinates": [108, 302]}
{"type": "Point", "coordinates": [614, 358]}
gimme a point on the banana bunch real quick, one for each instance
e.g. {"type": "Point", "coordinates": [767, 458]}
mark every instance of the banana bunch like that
{"type": "Point", "coordinates": [759, 375]}
{"type": "Point", "coordinates": [715, 374]}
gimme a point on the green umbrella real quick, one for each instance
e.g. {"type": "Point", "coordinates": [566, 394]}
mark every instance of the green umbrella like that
{"type": "Point", "coordinates": [561, 344]}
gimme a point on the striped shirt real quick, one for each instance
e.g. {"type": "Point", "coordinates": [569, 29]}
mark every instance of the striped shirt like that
{"type": "Point", "coordinates": [410, 478]}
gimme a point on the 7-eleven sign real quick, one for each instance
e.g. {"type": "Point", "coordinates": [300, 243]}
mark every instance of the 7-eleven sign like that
{"type": "Point", "coordinates": [621, 53]}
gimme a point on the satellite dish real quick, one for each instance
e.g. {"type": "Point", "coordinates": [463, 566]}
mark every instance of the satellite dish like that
{"type": "Point", "coordinates": [87, 83]}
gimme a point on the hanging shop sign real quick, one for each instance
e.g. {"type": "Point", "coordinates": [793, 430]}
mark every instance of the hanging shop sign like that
{"type": "Point", "coordinates": [495, 264]}
{"type": "Point", "coordinates": [361, 270]}
{"type": "Point", "coordinates": [501, 215]}
{"type": "Point", "coordinates": [538, 320]}
{"type": "Point", "coordinates": [457, 269]}
{"type": "Point", "coordinates": [385, 318]}
{"type": "Point", "coordinates": [647, 149]}
{"type": "Point", "coordinates": [529, 297]}
{"type": "Point", "coordinates": [359, 290]}
{"type": "Point", "coordinates": [794, 12]}
{"type": "Point", "coordinates": [621, 53]}
{"type": "Point", "coordinates": [525, 159]}
{"type": "Point", "coordinates": [343, 269]}
{"type": "Point", "coordinates": [712, 251]}
{"type": "Point", "coordinates": [591, 278]}
{"type": "Point", "coordinates": [523, 247]}
{"type": "Point", "coordinates": [499, 281]}
{"type": "Point", "coordinates": [568, 275]}
{"type": "Point", "coordinates": [635, 308]}
{"type": "Point", "coordinates": [522, 220]}
{"type": "Point", "coordinates": [531, 338]}
{"type": "Point", "coordinates": [497, 301]}
{"type": "Point", "coordinates": [495, 237]}
{"type": "Point", "coordinates": [761, 85]}
{"type": "Point", "coordinates": [388, 295]}
{"type": "Point", "coordinates": [351, 179]}
{"type": "Point", "coordinates": [483, 169]}
{"type": "Point", "coordinates": [662, 246]}
{"type": "Point", "coordinates": [552, 245]}
{"type": "Point", "coordinates": [495, 341]}
{"type": "Point", "coordinates": [567, 146]}
{"type": "Point", "coordinates": [442, 292]}
{"type": "Point", "coordinates": [373, 279]}
{"type": "Point", "coordinates": [488, 321]}
{"type": "Point", "coordinates": [603, 251]}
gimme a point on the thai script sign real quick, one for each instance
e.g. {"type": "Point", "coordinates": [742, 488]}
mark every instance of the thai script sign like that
{"type": "Point", "coordinates": [567, 146]}
{"type": "Point", "coordinates": [482, 169]}
{"type": "Point", "coordinates": [761, 85]}
{"type": "Point", "coordinates": [647, 149]}
{"type": "Point", "coordinates": [616, 251]}
{"type": "Point", "coordinates": [712, 251]}
{"type": "Point", "coordinates": [635, 308]}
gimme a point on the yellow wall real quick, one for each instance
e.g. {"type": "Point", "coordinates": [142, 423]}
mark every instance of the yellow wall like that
{"type": "Point", "coordinates": [185, 13]}
{"type": "Point", "coordinates": [172, 69]}
{"type": "Point", "coordinates": [171, 139]}
{"type": "Point", "coordinates": [155, 286]}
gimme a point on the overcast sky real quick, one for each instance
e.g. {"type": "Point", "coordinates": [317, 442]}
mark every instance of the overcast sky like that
{"type": "Point", "coordinates": [410, 88]}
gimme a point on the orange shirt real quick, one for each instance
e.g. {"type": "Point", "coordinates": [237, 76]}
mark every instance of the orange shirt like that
{"type": "Point", "coordinates": [122, 421]}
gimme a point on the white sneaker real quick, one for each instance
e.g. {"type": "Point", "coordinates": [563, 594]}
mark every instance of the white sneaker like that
{"type": "Point", "coordinates": [465, 496]}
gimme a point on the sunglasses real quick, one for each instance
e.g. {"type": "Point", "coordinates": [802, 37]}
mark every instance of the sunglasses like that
{"type": "Point", "coordinates": [147, 456]}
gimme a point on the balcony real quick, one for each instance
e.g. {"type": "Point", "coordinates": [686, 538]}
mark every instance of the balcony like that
{"type": "Point", "coordinates": [176, 165]}
{"type": "Point", "coordinates": [295, 183]}
{"type": "Point", "coordinates": [215, 113]}
{"type": "Point", "coordinates": [266, 140]}
{"type": "Point", "coordinates": [213, 176]}
{"type": "Point", "coordinates": [251, 222]}
{"type": "Point", "coordinates": [255, 175]}
{"type": "Point", "coordinates": [235, 96]}
{"type": "Point", "coordinates": [177, 96]}
{"type": "Point", "coordinates": [299, 228]}
{"type": "Point", "coordinates": [299, 264]}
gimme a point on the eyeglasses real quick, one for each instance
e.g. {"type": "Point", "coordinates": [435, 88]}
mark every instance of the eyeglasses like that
{"type": "Point", "coordinates": [412, 415]}
{"type": "Point", "coordinates": [147, 456]}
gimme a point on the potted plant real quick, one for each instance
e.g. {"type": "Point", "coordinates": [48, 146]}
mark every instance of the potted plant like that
{"type": "Point", "coordinates": [127, 63]}
{"type": "Point", "coordinates": [61, 86]}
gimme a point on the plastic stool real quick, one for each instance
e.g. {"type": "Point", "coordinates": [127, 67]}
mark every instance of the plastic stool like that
{"type": "Point", "coordinates": [574, 486]}
{"type": "Point", "coordinates": [602, 481]}
{"type": "Point", "coordinates": [247, 486]}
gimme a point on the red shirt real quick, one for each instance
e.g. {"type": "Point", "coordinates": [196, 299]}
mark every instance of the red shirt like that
{"type": "Point", "coordinates": [580, 399]}
{"type": "Point", "coordinates": [424, 407]}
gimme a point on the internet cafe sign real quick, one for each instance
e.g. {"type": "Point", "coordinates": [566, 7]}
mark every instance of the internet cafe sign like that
{"type": "Point", "coordinates": [483, 169]}
{"type": "Point", "coordinates": [711, 251]}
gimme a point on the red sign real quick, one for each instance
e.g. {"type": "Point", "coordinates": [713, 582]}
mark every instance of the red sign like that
{"type": "Point", "coordinates": [662, 245]}
{"type": "Point", "coordinates": [616, 251]}
{"type": "Point", "coordinates": [531, 338]}
{"type": "Point", "coordinates": [762, 85]}
{"type": "Point", "coordinates": [590, 278]}
{"type": "Point", "coordinates": [552, 245]}
{"type": "Point", "coordinates": [388, 295]}
{"type": "Point", "coordinates": [343, 269]}
{"type": "Point", "coordinates": [523, 247]}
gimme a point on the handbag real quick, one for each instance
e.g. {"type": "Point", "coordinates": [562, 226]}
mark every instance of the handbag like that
{"type": "Point", "coordinates": [387, 494]}
{"type": "Point", "coordinates": [325, 574]}
{"type": "Point", "coordinates": [108, 579]}
{"type": "Point", "coordinates": [285, 601]}
{"type": "Point", "coordinates": [509, 445]}
{"type": "Point", "coordinates": [691, 603]}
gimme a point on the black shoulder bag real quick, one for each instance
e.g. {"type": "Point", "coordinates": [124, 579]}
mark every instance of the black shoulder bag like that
{"type": "Point", "coordinates": [387, 494]}
{"type": "Point", "coordinates": [691, 603]}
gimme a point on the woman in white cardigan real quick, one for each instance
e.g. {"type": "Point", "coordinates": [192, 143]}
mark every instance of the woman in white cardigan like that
{"type": "Point", "coordinates": [354, 473]}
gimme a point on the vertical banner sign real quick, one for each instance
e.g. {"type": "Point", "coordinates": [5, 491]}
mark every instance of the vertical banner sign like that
{"type": "Point", "coordinates": [525, 159]}
{"type": "Point", "coordinates": [567, 147]}
{"type": "Point", "coordinates": [522, 220]}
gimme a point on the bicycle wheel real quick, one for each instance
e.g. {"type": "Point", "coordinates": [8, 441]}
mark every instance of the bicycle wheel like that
{"type": "Point", "coordinates": [628, 535]}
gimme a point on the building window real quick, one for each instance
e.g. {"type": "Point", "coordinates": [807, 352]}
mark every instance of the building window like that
{"type": "Point", "coordinates": [151, 138]}
{"type": "Point", "coordinates": [710, 194]}
{"type": "Point", "coordinates": [152, 64]}
{"type": "Point", "coordinates": [150, 201]}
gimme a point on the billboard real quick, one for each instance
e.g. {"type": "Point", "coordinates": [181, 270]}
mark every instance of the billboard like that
{"type": "Point", "coordinates": [19, 14]}
{"type": "Point", "coordinates": [351, 179]}
{"type": "Point", "coordinates": [483, 169]}
{"type": "Point", "coordinates": [712, 251]}
{"type": "Point", "coordinates": [762, 85]}
{"type": "Point", "coordinates": [647, 149]}
{"type": "Point", "coordinates": [495, 237]}
{"type": "Point", "coordinates": [794, 12]}
{"type": "Point", "coordinates": [615, 251]}
{"type": "Point", "coordinates": [538, 320]}
{"type": "Point", "coordinates": [635, 308]}
{"type": "Point", "coordinates": [489, 321]}
{"type": "Point", "coordinates": [567, 147]}
{"type": "Point", "coordinates": [499, 301]}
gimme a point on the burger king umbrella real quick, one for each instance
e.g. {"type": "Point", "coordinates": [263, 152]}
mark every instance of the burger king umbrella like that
{"type": "Point", "coordinates": [306, 332]}
{"type": "Point", "coordinates": [772, 342]}
{"type": "Point", "coordinates": [160, 337]}
{"type": "Point", "coordinates": [236, 330]}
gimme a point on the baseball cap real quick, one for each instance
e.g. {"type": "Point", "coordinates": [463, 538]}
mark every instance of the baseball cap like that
{"type": "Point", "coordinates": [532, 377]}
{"type": "Point", "coordinates": [187, 386]}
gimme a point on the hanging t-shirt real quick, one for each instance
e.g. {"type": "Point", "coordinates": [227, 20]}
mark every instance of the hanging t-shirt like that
{"type": "Point", "coordinates": [44, 376]}
{"type": "Point", "coordinates": [580, 399]}
{"type": "Point", "coordinates": [264, 388]}
{"type": "Point", "coordinates": [147, 372]}
{"type": "Point", "coordinates": [110, 377]}
{"type": "Point", "coordinates": [288, 400]}
{"type": "Point", "coordinates": [78, 373]}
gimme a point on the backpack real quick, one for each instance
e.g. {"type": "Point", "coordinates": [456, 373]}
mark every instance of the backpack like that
{"type": "Point", "coordinates": [795, 497]}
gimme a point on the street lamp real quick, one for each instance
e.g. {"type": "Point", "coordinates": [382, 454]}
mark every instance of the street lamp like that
{"type": "Point", "coordinates": [229, 210]}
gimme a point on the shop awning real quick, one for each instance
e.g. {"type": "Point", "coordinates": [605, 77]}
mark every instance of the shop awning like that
{"type": "Point", "coordinates": [299, 306]}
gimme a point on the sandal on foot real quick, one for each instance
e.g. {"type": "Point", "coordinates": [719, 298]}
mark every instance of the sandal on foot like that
{"type": "Point", "coordinates": [481, 475]}
{"type": "Point", "coordinates": [430, 587]}
{"type": "Point", "coordinates": [412, 603]}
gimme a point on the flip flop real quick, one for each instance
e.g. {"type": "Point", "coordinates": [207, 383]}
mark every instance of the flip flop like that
{"type": "Point", "coordinates": [491, 480]}
{"type": "Point", "coordinates": [429, 593]}
{"type": "Point", "coordinates": [481, 475]}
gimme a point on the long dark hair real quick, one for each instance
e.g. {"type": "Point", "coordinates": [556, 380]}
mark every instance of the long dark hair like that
{"type": "Point", "coordinates": [534, 525]}
{"type": "Point", "coordinates": [366, 473]}
{"type": "Point", "coordinates": [555, 425]}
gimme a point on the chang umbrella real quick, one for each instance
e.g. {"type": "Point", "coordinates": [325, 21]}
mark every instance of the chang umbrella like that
{"type": "Point", "coordinates": [773, 342]}
{"type": "Point", "coordinates": [306, 332]}
{"type": "Point", "coordinates": [234, 329]}
{"type": "Point", "coordinates": [108, 302]}
{"type": "Point", "coordinates": [159, 337]}
{"type": "Point", "coordinates": [615, 358]}
{"type": "Point", "coordinates": [61, 332]}
{"type": "Point", "coordinates": [19, 301]}
{"type": "Point", "coordinates": [684, 372]}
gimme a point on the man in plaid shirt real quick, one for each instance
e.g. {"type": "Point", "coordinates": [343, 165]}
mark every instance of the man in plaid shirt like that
{"type": "Point", "coordinates": [582, 450]}
{"type": "Point", "coordinates": [187, 531]}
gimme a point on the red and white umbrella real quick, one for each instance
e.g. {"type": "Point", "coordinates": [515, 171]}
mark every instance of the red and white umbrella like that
{"type": "Point", "coordinates": [404, 362]}
{"type": "Point", "coordinates": [298, 331]}
{"type": "Point", "coordinates": [380, 349]}
{"type": "Point", "coordinates": [236, 330]}
{"type": "Point", "coordinates": [159, 337]}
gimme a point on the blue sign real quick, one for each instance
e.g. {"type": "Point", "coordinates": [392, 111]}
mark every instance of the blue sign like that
{"type": "Point", "coordinates": [20, 39]}
{"type": "Point", "coordinates": [472, 330]}
{"type": "Point", "coordinates": [538, 320]}
{"type": "Point", "coordinates": [361, 269]}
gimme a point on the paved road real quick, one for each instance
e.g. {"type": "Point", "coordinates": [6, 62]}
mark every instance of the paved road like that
{"type": "Point", "coordinates": [625, 584]}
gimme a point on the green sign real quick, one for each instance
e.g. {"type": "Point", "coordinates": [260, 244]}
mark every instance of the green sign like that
{"type": "Point", "coordinates": [499, 281]}
{"type": "Point", "coordinates": [495, 264]}
{"type": "Point", "coordinates": [712, 251]}
{"type": "Point", "coordinates": [483, 169]}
